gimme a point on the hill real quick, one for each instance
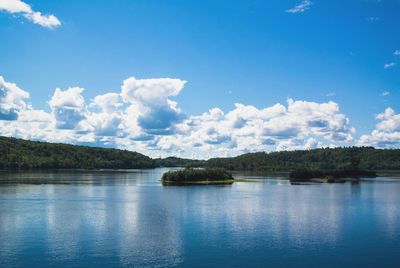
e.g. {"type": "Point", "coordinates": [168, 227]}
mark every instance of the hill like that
{"type": "Point", "coordinates": [178, 162]}
{"type": "Point", "coordinates": [23, 154]}
{"type": "Point", "coordinates": [365, 158]}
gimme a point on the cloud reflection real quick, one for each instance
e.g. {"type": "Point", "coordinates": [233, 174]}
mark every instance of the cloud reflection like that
{"type": "Point", "coordinates": [128, 219]}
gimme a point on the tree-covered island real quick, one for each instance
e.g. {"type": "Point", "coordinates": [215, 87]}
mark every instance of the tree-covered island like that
{"type": "Point", "coordinates": [330, 176]}
{"type": "Point", "coordinates": [197, 176]}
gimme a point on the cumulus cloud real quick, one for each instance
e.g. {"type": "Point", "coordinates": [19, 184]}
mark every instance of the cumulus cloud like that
{"type": "Point", "coordinates": [386, 133]}
{"type": "Point", "coordinates": [101, 124]}
{"type": "Point", "coordinates": [300, 8]}
{"type": "Point", "coordinates": [15, 6]}
{"type": "Point", "coordinates": [69, 120]}
{"type": "Point", "coordinates": [299, 125]}
{"type": "Point", "coordinates": [144, 118]}
{"type": "Point", "coordinates": [108, 103]}
{"type": "Point", "coordinates": [18, 119]}
{"type": "Point", "coordinates": [68, 107]}
{"type": "Point", "coordinates": [107, 119]}
{"type": "Point", "coordinates": [151, 106]}
{"type": "Point", "coordinates": [12, 100]}
{"type": "Point", "coordinates": [396, 52]}
{"type": "Point", "coordinates": [20, 7]}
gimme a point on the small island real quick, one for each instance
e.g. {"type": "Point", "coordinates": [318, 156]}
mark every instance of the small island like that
{"type": "Point", "coordinates": [197, 176]}
{"type": "Point", "coordinates": [330, 176]}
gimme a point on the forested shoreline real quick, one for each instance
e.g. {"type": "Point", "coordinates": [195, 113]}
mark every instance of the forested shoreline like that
{"type": "Point", "coordinates": [347, 158]}
{"type": "Point", "coordinates": [24, 154]}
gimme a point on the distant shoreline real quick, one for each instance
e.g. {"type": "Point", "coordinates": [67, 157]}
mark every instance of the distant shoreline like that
{"type": "Point", "coordinates": [18, 154]}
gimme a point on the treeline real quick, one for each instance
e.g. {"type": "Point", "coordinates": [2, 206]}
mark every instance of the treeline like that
{"type": "Point", "coordinates": [17, 153]}
{"type": "Point", "coordinates": [178, 162]}
{"type": "Point", "coordinates": [192, 175]}
{"type": "Point", "coordinates": [23, 154]}
{"type": "Point", "coordinates": [358, 158]}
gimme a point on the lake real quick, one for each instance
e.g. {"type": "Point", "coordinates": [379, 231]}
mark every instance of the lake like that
{"type": "Point", "coordinates": [113, 219]}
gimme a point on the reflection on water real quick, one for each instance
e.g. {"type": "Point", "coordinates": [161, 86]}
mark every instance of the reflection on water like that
{"type": "Point", "coordinates": [109, 219]}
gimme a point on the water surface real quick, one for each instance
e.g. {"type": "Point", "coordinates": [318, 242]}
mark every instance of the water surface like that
{"type": "Point", "coordinates": [111, 219]}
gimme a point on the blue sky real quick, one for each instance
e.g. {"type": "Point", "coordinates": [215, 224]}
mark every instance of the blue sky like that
{"type": "Point", "coordinates": [248, 52]}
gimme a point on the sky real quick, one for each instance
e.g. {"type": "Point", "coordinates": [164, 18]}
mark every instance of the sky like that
{"type": "Point", "coordinates": [201, 79]}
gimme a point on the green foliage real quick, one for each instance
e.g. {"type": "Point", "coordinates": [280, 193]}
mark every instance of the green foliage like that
{"type": "Point", "coordinates": [17, 153]}
{"type": "Point", "coordinates": [193, 175]}
{"type": "Point", "coordinates": [22, 154]}
{"type": "Point", "coordinates": [178, 162]}
{"type": "Point", "coordinates": [357, 158]}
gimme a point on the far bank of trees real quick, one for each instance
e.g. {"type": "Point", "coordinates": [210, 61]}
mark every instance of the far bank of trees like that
{"type": "Point", "coordinates": [23, 154]}
{"type": "Point", "coordinates": [365, 158]}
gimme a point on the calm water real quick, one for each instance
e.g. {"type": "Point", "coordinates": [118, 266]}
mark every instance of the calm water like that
{"type": "Point", "coordinates": [109, 219]}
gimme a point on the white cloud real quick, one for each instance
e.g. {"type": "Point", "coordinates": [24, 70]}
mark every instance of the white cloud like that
{"type": "Point", "coordinates": [300, 125]}
{"type": "Point", "coordinates": [69, 121]}
{"type": "Point", "coordinates": [300, 8]}
{"type": "Point", "coordinates": [142, 117]}
{"type": "Point", "coordinates": [68, 107]}
{"type": "Point", "coordinates": [151, 91]}
{"type": "Point", "coordinates": [385, 93]}
{"type": "Point", "coordinates": [108, 103]}
{"type": "Point", "coordinates": [18, 119]}
{"type": "Point", "coordinates": [389, 65]}
{"type": "Point", "coordinates": [396, 52]}
{"type": "Point", "coordinates": [48, 21]}
{"type": "Point", "coordinates": [12, 100]}
{"type": "Point", "coordinates": [386, 133]}
{"type": "Point", "coordinates": [151, 106]}
{"type": "Point", "coordinates": [107, 121]}
{"type": "Point", "coordinates": [101, 124]}
{"type": "Point", "coordinates": [17, 6]}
